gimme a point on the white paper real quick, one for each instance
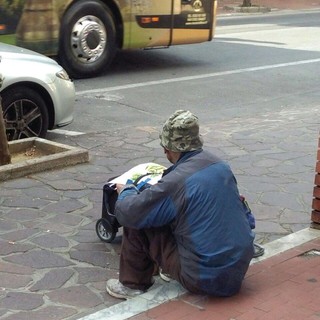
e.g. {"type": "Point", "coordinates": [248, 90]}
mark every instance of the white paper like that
{"type": "Point", "coordinates": [153, 170]}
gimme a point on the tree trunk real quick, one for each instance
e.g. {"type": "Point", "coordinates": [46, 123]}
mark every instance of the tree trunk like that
{"type": "Point", "coordinates": [246, 3]}
{"type": "Point", "coordinates": [5, 157]}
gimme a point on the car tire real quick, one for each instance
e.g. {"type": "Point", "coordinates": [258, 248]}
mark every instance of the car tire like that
{"type": "Point", "coordinates": [87, 42]}
{"type": "Point", "coordinates": [25, 113]}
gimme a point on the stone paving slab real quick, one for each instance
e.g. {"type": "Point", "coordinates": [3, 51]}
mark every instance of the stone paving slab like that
{"type": "Point", "coordinates": [50, 255]}
{"type": "Point", "coordinates": [47, 220]}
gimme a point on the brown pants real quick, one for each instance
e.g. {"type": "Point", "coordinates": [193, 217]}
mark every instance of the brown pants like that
{"type": "Point", "coordinates": [143, 251]}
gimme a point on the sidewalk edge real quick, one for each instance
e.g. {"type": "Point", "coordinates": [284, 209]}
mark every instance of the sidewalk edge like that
{"type": "Point", "coordinates": [168, 291]}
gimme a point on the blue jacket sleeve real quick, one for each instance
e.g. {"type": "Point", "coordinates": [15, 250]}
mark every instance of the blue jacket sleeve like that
{"type": "Point", "coordinates": [152, 207]}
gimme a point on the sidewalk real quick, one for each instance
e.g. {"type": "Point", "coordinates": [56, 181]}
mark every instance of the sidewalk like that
{"type": "Point", "coordinates": [224, 6]}
{"type": "Point", "coordinates": [281, 285]}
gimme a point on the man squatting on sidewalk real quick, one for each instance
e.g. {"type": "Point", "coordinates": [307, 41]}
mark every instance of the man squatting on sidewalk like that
{"type": "Point", "coordinates": [191, 225]}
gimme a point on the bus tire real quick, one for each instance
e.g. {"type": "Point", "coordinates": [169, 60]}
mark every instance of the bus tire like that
{"type": "Point", "coordinates": [25, 113]}
{"type": "Point", "coordinates": [87, 43]}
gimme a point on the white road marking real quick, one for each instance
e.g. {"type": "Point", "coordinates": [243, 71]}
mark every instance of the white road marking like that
{"type": "Point", "coordinates": [67, 132]}
{"type": "Point", "coordinates": [191, 78]}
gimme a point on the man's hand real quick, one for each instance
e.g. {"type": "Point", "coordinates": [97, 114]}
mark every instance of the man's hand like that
{"type": "Point", "coordinates": [119, 187]}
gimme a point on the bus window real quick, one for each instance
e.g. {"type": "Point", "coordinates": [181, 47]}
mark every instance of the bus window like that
{"type": "Point", "coordinates": [86, 34]}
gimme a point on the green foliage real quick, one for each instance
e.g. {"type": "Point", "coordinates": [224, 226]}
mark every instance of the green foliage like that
{"type": "Point", "coordinates": [9, 38]}
{"type": "Point", "coordinates": [11, 7]}
{"type": "Point", "coordinates": [10, 11]}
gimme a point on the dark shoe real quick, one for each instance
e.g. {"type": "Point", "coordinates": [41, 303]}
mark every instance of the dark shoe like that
{"type": "Point", "coordinates": [116, 289]}
{"type": "Point", "coordinates": [258, 250]}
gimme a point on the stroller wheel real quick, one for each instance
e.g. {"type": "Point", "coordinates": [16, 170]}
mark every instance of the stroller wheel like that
{"type": "Point", "coordinates": [104, 230]}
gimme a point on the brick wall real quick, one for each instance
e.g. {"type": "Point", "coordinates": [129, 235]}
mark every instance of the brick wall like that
{"type": "Point", "coordinates": [315, 215]}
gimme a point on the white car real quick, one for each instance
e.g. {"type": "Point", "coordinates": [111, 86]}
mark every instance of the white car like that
{"type": "Point", "coordinates": [37, 93]}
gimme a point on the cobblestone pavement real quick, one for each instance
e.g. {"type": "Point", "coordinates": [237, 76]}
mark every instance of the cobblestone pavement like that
{"type": "Point", "coordinates": [51, 260]}
{"type": "Point", "coordinates": [52, 264]}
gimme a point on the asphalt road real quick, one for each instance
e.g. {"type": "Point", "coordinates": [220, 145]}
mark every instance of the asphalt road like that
{"type": "Point", "coordinates": [255, 64]}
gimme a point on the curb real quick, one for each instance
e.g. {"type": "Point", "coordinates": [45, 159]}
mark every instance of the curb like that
{"type": "Point", "coordinates": [55, 155]}
{"type": "Point", "coordinates": [252, 9]}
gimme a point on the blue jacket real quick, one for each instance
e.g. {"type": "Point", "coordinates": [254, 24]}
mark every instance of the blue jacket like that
{"type": "Point", "coordinates": [199, 198]}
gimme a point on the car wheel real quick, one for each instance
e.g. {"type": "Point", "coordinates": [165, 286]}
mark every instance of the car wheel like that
{"type": "Point", "coordinates": [87, 39]}
{"type": "Point", "coordinates": [25, 113]}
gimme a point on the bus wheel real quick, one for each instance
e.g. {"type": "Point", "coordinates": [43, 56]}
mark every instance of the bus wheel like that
{"type": "Point", "coordinates": [87, 39]}
{"type": "Point", "coordinates": [25, 113]}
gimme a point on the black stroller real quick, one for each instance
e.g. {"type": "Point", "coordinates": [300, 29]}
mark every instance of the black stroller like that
{"type": "Point", "coordinates": [107, 226]}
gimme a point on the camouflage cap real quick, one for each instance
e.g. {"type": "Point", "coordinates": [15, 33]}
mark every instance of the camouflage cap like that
{"type": "Point", "coordinates": [180, 133]}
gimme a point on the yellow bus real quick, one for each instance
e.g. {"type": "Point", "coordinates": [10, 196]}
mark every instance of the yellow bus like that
{"type": "Point", "coordinates": [85, 35]}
